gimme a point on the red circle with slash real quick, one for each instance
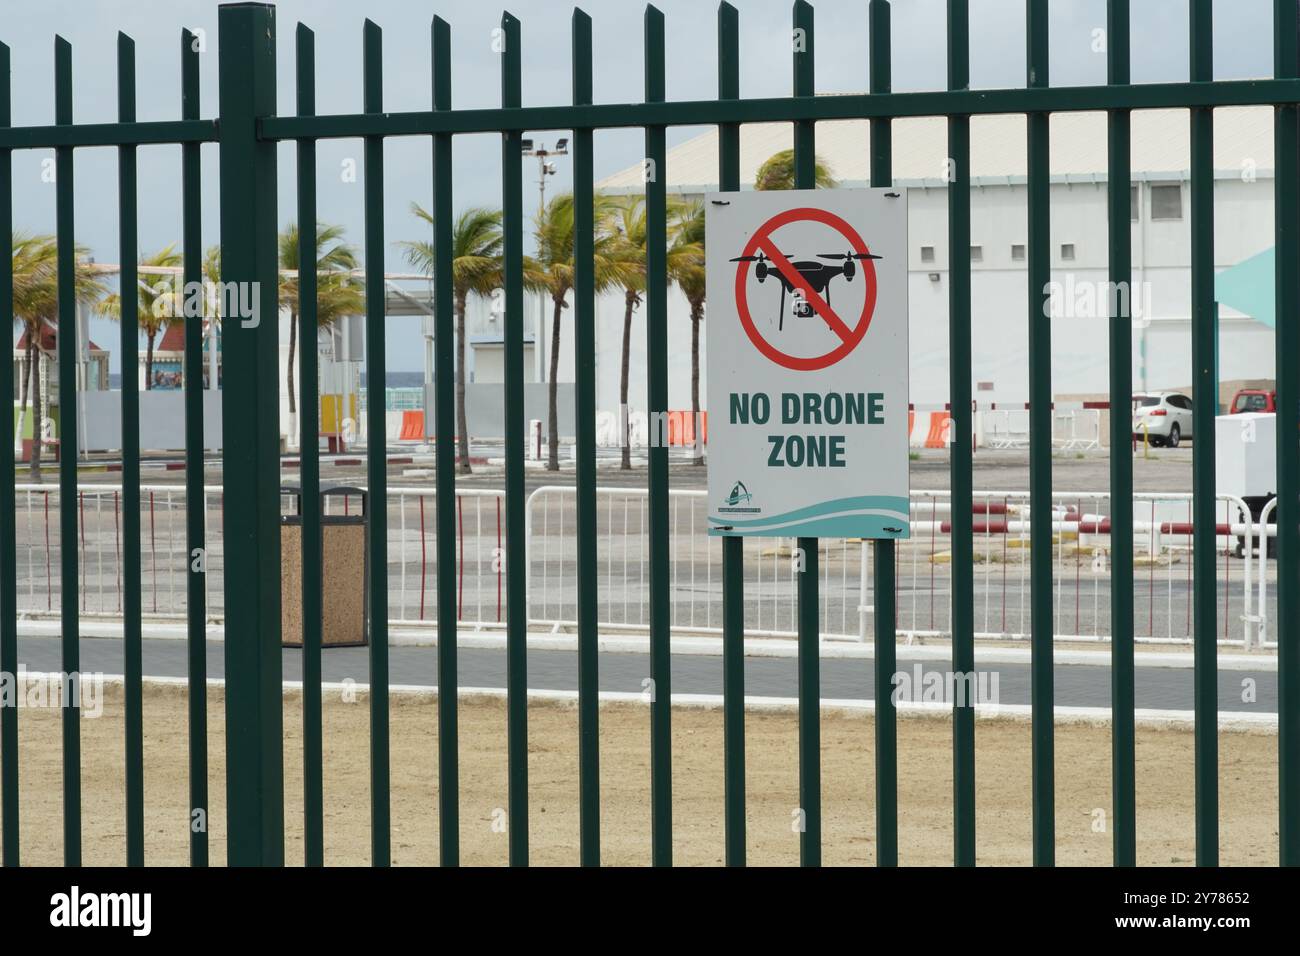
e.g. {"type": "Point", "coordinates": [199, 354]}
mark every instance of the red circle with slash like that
{"type": "Point", "coordinates": [849, 336]}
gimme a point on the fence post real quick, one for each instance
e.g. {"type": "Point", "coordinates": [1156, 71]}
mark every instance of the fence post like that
{"type": "Point", "coordinates": [1042, 423]}
{"type": "Point", "coordinates": [1204, 382]}
{"type": "Point", "coordinates": [807, 592]}
{"type": "Point", "coordinates": [250, 433]}
{"type": "Point", "coordinates": [9, 804]}
{"type": "Point", "coordinates": [195, 501]}
{"type": "Point", "coordinates": [1286, 199]}
{"type": "Point", "coordinates": [1119, 181]}
{"type": "Point", "coordinates": [884, 555]}
{"type": "Point", "coordinates": [69, 614]}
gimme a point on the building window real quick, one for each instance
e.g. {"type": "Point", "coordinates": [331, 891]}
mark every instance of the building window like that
{"type": "Point", "coordinates": [1134, 204]}
{"type": "Point", "coordinates": [976, 253]}
{"type": "Point", "coordinates": [1067, 251]}
{"type": "Point", "coordinates": [1017, 252]}
{"type": "Point", "coordinates": [1167, 202]}
{"type": "Point", "coordinates": [927, 253]}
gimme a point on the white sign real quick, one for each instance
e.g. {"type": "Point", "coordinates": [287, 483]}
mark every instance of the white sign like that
{"type": "Point", "coordinates": [808, 355]}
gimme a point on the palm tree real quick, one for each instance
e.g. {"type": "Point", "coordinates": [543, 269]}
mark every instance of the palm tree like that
{"type": "Point", "coordinates": [689, 234]}
{"type": "Point", "coordinates": [35, 307]}
{"type": "Point", "coordinates": [475, 268]}
{"type": "Point", "coordinates": [158, 299]}
{"type": "Point", "coordinates": [337, 293]}
{"type": "Point", "coordinates": [554, 272]}
{"type": "Point", "coordinates": [35, 283]}
{"type": "Point", "coordinates": [631, 253]}
{"type": "Point", "coordinates": [212, 276]}
{"type": "Point", "coordinates": [777, 172]}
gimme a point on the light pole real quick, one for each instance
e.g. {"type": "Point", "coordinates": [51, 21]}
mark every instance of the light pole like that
{"type": "Point", "coordinates": [544, 168]}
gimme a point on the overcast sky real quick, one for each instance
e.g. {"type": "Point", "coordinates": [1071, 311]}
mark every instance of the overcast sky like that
{"type": "Point", "coordinates": [1242, 48]}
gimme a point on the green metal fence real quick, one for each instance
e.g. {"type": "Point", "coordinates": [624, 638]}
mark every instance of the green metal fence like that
{"type": "Point", "coordinates": [246, 132]}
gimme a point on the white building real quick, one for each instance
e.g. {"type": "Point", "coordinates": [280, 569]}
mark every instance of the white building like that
{"type": "Point", "coordinates": [1243, 161]}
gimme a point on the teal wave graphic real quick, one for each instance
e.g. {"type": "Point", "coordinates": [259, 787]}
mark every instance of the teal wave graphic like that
{"type": "Point", "coordinates": [897, 506]}
{"type": "Point", "coordinates": [855, 525]}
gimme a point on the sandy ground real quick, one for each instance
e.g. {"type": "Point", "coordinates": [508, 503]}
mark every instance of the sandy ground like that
{"type": "Point", "coordinates": [1165, 798]}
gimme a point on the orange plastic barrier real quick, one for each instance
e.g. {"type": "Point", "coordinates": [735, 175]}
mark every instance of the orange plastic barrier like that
{"type": "Point", "coordinates": [412, 426]}
{"type": "Point", "coordinates": [937, 438]}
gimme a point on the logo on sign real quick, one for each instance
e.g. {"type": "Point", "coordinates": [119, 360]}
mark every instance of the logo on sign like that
{"type": "Point", "coordinates": [739, 494]}
{"type": "Point", "coordinates": [738, 501]}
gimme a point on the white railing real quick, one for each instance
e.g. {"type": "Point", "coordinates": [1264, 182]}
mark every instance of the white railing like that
{"type": "Point", "coordinates": [1002, 521]}
{"type": "Point", "coordinates": [1266, 532]}
{"type": "Point", "coordinates": [1080, 560]}
{"type": "Point", "coordinates": [1073, 429]}
{"type": "Point", "coordinates": [1080, 585]}
{"type": "Point", "coordinates": [164, 561]}
{"type": "Point", "coordinates": [480, 561]}
{"type": "Point", "coordinates": [695, 577]}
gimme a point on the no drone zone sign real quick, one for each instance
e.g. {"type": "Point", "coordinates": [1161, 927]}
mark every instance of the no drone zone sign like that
{"type": "Point", "coordinates": [807, 363]}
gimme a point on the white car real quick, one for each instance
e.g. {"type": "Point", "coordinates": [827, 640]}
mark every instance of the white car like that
{"type": "Point", "coordinates": [1165, 418]}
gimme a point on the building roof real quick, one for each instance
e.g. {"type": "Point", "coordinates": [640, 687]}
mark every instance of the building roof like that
{"type": "Point", "coordinates": [48, 341]}
{"type": "Point", "coordinates": [173, 337]}
{"type": "Point", "coordinates": [1243, 140]}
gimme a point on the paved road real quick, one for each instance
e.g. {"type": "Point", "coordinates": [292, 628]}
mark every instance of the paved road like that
{"type": "Point", "coordinates": [1162, 469]}
{"type": "Point", "coordinates": [1076, 685]}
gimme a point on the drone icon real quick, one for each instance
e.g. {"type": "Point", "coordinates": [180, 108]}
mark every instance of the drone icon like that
{"type": "Point", "coordinates": [817, 274]}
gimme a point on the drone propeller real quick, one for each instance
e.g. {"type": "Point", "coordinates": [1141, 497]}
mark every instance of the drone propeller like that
{"type": "Point", "coordinates": [847, 255]}
{"type": "Point", "coordinates": [758, 258]}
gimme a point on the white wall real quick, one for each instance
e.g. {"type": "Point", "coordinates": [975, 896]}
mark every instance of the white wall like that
{"type": "Point", "coordinates": [484, 363]}
{"type": "Point", "coordinates": [999, 299]}
{"type": "Point", "coordinates": [162, 420]}
{"type": "Point", "coordinates": [999, 290]}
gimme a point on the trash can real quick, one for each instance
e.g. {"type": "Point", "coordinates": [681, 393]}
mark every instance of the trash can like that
{"type": "Point", "coordinates": [343, 569]}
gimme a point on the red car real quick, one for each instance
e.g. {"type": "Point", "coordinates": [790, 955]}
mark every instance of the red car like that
{"type": "Point", "coordinates": [1253, 400]}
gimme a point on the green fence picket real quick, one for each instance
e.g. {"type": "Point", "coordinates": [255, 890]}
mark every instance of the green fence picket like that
{"type": "Point", "coordinates": [884, 551]}
{"type": "Point", "coordinates": [656, 321]}
{"type": "Point", "coordinates": [808, 594]}
{"type": "Point", "coordinates": [309, 464]}
{"type": "Point", "coordinates": [1286, 225]}
{"type": "Point", "coordinates": [69, 438]}
{"type": "Point", "coordinates": [733, 548]}
{"type": "Point", "coordinates": [960, 443]}
{"type": "Point", "coordinates": [1122, 701]}
{"type": "Point", "coordinates": [377, 464]}
{"type": "Point", "coordinates": [584, 411]}
{"type": "Point", "coordinates": [1206, 387]}
{"type": "Point", "coordinates": [8, 516]}
{"type": "Point", "coordinates": [195, 504]}
{"type": "Point", "coordinates": [1039, 252]}
{"type": "Point", "coordinates": [128, 321]}
{"type": "Point", "coordinates": [516, 557]}
{"type": "Point", "coordinates": [444, 409]}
